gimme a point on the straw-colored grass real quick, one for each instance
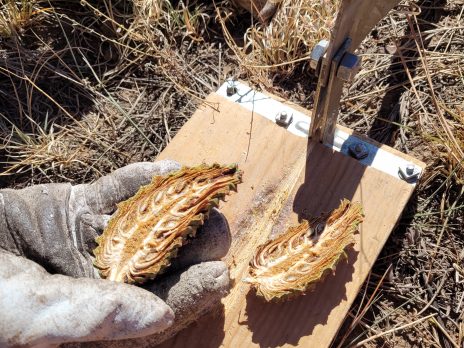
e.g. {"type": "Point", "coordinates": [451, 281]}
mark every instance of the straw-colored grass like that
{"type": "Point", "coordinates": [449, 141]}
{"type": "Point", "coordinates": [14, 15]}
{"type": "Point", "coordinates": [97, 74]}
{"type": "Point", "coordinates": [280, 46]}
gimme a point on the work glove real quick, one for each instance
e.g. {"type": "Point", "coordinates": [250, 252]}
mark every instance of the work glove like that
{"type": "Point", "coordinates": [49, 289]}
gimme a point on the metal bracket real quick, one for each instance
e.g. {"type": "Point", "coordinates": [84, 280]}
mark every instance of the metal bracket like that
{"type": "Point", "coordinates": [342, 67]}
{"type": "Point", "coordinates": [355, 20]}
{"type": "Point", "coordinates": [351, 145]}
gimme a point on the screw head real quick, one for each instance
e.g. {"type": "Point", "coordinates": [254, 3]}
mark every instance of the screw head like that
{"type": "Point", "coordinates": [410, 169]}
{"type": "Point", "coordinates": [409, 173]}
{"type": "Point", "coordinates": [231, 90]}
{"type": "Point", "coordinates": [358, 151]}
{"type": "Point", "coordinates": [283, 119]}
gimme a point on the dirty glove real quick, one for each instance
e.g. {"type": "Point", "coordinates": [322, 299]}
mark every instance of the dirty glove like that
{"type": "Point", "coordinates": [48, 291]}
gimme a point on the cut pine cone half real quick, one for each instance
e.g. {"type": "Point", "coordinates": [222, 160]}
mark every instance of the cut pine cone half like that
{"type": "Point", "coordinates": [146, 230]}
{"type": "Point", "coordinates": [292, 263]}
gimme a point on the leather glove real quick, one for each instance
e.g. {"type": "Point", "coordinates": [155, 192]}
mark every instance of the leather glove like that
{"type": "Point", "coordinates": [49, 291]}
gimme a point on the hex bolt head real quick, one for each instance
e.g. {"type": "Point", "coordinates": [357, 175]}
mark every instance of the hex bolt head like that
{"type": "Point", "coordinates": [231, 89]}
{"type": "Point", "coordinates": [358, 151]}
{"type": "Point", "coordinates": [410, 169]}
{"type": "Point", "coordinates": [349, 67]}
{"type": "Point", "coordinates": [409, 173]}
{"type": "Point", "coordinates": [317, 53]}
{"type": "Point", "coordinates": [283, 119]}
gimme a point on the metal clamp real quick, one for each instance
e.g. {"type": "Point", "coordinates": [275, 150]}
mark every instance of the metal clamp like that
{"type": "Point", "coordinates": [334, 70]}
{"type": "Point", "coordinates": [349, 66]}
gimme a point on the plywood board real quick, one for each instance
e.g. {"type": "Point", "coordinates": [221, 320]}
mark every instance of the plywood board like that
{"type": "Point", "coordinates": [284, 181]}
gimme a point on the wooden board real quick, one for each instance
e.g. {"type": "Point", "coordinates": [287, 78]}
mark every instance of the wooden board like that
{"type": "Point", "coordinates": [282, 184]}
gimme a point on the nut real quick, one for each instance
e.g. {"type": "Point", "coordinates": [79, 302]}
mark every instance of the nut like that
{"type": "Point", "coordinates": [349, 67]}
{"type": "Point", "coordinates": [409, 173]}
{"type": "Point", "coordinates": [317, 53]}
{"type": "Point", "coordinates": [358, 151]}
{"type": "Point", "coordinates": [410, 169]}
{"type": "Point", "coordinates": [283, 119]}
{"type": "Point", "coordinates": [231, 89]}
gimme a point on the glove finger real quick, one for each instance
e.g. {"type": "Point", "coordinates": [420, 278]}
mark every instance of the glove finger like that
{"type": "Point", "coordinates": [55, 308]}
{"type": "Point", "coordinates": [211, 243]}
{"type": "Point", "coordinates": [103, 195]}
{"type": "Point", "coordinates": [91, 226]}
{"type": "Point", "coordinates": [96, 222]}
{"type": "Point", "coordinates": [191, 294]}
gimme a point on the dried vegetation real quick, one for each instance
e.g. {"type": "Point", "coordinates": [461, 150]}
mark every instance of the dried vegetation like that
{"type": "Point", "coordinates": [410, 95]}
{"type": "Point", "coordinates": [79, 80]}
{"type": "Point", "coordinates": [82, 79]}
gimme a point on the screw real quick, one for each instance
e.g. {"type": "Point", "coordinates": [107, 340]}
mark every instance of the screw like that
{"type": "Point", "coordinates": [349, 67]}
{"type": "Point", "coordinates": [283, 119]}
{"type": "Point", "coordinates": [409, 173]}
{"type": "Point", "coordinates": [317, 53]}
{"type": "Point", "coordinates": [358, 151]}
{"type": "Point", "coordinates": [410, 169]}
{"type": "Point", "coordinates": [231, 89]}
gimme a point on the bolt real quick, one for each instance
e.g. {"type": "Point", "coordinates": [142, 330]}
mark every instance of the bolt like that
{"type": "Point", "coordinates": [358, 151]}
{"type": "Point", "coordinates": [409, 173]}
{"type": "Point", "coordinates": [410, 169]}
{"type": "Point", "coordinates": [349, 67]}
{"type": "Point", "coordinates": [283, 119]}
{"type": "Point", "coordinates": [317, 53]}
{"type": "Point", "coordinates": [231, 89]}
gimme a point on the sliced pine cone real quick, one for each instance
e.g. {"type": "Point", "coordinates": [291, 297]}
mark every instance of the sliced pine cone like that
{"type": "Point", "coordinates": [146, 230]}
{"type": "Point", "coordinates": [292, 263]}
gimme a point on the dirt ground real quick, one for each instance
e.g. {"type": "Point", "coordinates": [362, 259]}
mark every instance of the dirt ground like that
{"type": "Point", "coordinates": [79, 80]}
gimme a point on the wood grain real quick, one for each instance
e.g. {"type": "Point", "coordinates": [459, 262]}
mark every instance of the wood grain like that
{"type": "Point", "coordinates": [285, 179]}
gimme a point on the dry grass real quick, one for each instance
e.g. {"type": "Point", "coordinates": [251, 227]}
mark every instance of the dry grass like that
{"type": "Point", "coordinates": [413, 100]}
{"type": "Point", "coordinates": [295, 29]}
{"type": "Point", "coordinates": [95, 75]}
{"type": "Point", "coordinates": [448, 139]}
{"type": "Point", "coordinates": [15, 15]}
{"type": "Point", "coordinates": [80, 80]}
{"type": "Point", "coordinates": [285, 44]}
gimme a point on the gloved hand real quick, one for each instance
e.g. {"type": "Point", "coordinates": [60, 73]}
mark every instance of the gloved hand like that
{"type": "Point", "coordinates": [47, 294]}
